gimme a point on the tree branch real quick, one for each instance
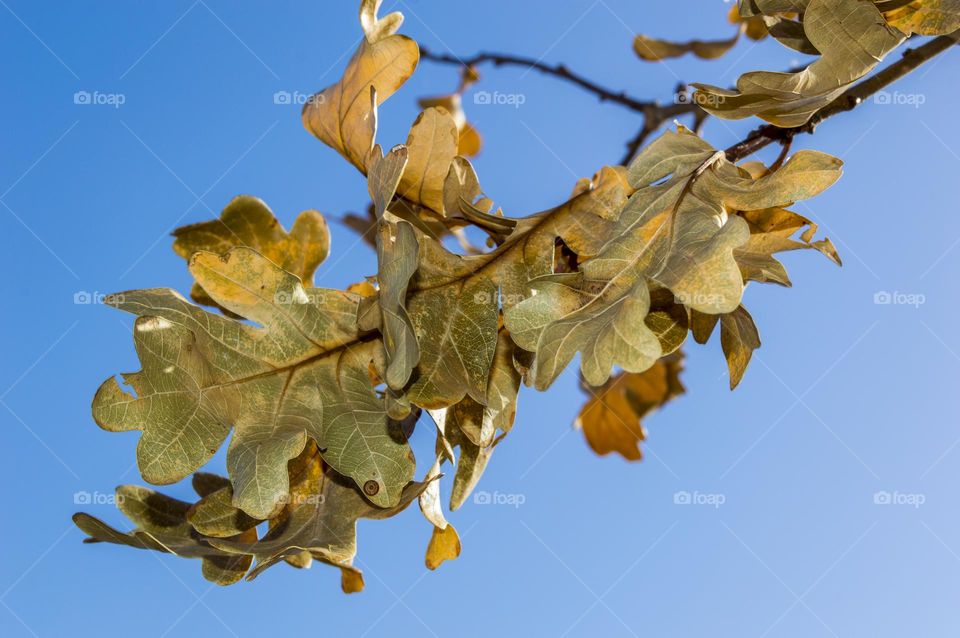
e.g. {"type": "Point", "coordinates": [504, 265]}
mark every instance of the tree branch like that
{"type": "Point", "coordinates": [654, 113]}
{"type": "Point", "coordinates": [558, 71]}
{"type": "Point", "coordinates": [847, 101]}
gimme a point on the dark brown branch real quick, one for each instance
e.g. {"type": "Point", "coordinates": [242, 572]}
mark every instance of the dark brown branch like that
{"type": "Point", "coordinates": [558, 71]}
{"type": "Point", "coordinates": [848, 100]}
{"type": "Point", "coordinates": [655, 115]}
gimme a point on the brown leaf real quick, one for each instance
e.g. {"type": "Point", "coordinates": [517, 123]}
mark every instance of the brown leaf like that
{"type": "Point", "coordinates": [611, 419]}
{"type": "Point", "coordinates": [738, 338]}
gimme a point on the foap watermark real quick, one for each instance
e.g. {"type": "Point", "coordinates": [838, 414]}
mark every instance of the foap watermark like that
{"type": "Point", "coordinates": [896, 98]}
{"type": "Point", "coordinates": [483, 298]}
{"type": "Point", "coordinates": [97, 498]}
{"type": "Point", "coordinates": [96, 98]}
{"type": "Point", "coordinates": [483, 98]}
{"type": "Point", "coordinates": [84, 298]}
{"type": "Point", "coordinates": [301, 296]}
{"type": "Point", "coordinates": [714, 500]}
{"type": "Point", "coordinates": [303, 499]}
{"type": "Point", "coordinates": [499, 498]}
{"type": "Point", "coordinates": [699, 98]}
{"type": "Point", "coordinates": [298, 98]}
{"type": "Point", "coordinates": [896, 298]}
{"type": "Point", "coordinates": [700, 299]}
{"type": "Point", "coordinates": [914, 500]}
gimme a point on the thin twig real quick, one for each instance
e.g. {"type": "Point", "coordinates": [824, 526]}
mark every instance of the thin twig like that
{"type": "Point", "coordinates": [848, 100]}
{"type": "Point", "coordinates": [654, 117]}
{"type": "Point", "coordinates": [558, 71]}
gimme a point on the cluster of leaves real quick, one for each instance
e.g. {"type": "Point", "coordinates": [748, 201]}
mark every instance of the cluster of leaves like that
{"type": "Point", "coordinates": [322, 388]}
{"type": "Point", "coordinates": [849, 38]}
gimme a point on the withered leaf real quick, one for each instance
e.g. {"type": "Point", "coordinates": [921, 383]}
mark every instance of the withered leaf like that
{"type": "Point", "coordinates": [303, 373]}
{"type": "Point", "coordinates": [612, 417]}
{"type": "Point", "coordinates": [162, 526]}
{"type": "Point", "coordinates": [248, 221]}
{"type": "Point", "coordinates": [851, 37]}
{"type": "Point", "coordinates": [342, 115]}
{"type": "Point", "coordinates": [674, 231]}
{"type": "Point", "coordinates": [738, 338]}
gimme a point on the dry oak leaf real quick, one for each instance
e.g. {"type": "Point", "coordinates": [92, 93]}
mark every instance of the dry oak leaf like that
{"type": "Point", "coordinates": [343, 116]}
{"type": "Point", "coordinates": [676, 231]}
{"type": "Point", "coordinates": [851, 36]}
{"type": "Point", "coordinates": [162, 526]}
{"type": "Point", "coordinates": [304, 373]}
{"type": "Point", "coordinates": [612, 418]}
{"type": "Point", "coordinates": [248, 221]}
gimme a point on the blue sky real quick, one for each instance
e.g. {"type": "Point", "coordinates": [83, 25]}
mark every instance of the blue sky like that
{"type": "Point", "coordinates": [848, 400]}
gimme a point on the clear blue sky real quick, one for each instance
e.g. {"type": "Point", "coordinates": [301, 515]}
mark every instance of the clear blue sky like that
{"type": "Point", "coordinates": [847, 398]}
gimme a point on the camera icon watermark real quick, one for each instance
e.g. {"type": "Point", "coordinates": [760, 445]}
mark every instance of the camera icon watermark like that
{"type": "Point", "coordinates": [284, 98]}
{"type": "Point", "coordinates": [96, 98]}
{"type": "Point", "coordinates": [300, 296]}
{"type": "Point", "coordinates": [484, 298]}
{"type": "Point", "coordinates": [498, 498]}
{"type": "Point", "coordinates": [700, 299]}
{"type": "Point", "coordinates": [707, 100]}
{"type": "Point", "coordinates": [895, 298]}
{"type": "Point", "coordinates": [486, 98]}
{"type": "Point", "coordinates": [297, 500]}
{"type": "Point", "coordinates": [84, 298]}
{"type": "Point", "coordinates": [96, 498]}
{"type": "Point", "coordinates": [714, 500]}
{"type": "Point", "coordinates": [896, 98]}
{"type": "Point", "coordinates": [914, 500]}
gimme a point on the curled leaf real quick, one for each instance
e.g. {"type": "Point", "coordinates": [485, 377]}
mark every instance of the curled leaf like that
{"type": "Point", "coordinates": [612, 417]}
{"type": "Point", "coordinates": [851, 37]}
{"type": "Point", "coordinates": [738, 338]}
{"type": "Point", "coordinates": [652, 49]}
{"type": "Point", "coordinates": [343, 115]}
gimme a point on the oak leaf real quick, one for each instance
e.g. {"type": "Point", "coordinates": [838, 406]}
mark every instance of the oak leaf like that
{"type": "Point", "coordinates": [612, 417]}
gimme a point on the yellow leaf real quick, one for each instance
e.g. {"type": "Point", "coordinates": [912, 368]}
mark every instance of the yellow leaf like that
{"type": "Point", "coordinates": [444, 545]}
{"type": "Point", "coordinates": [924, 17]}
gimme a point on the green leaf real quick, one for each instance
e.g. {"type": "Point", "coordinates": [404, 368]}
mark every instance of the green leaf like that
{"type": "Point", "coordinates": [397, 253]}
